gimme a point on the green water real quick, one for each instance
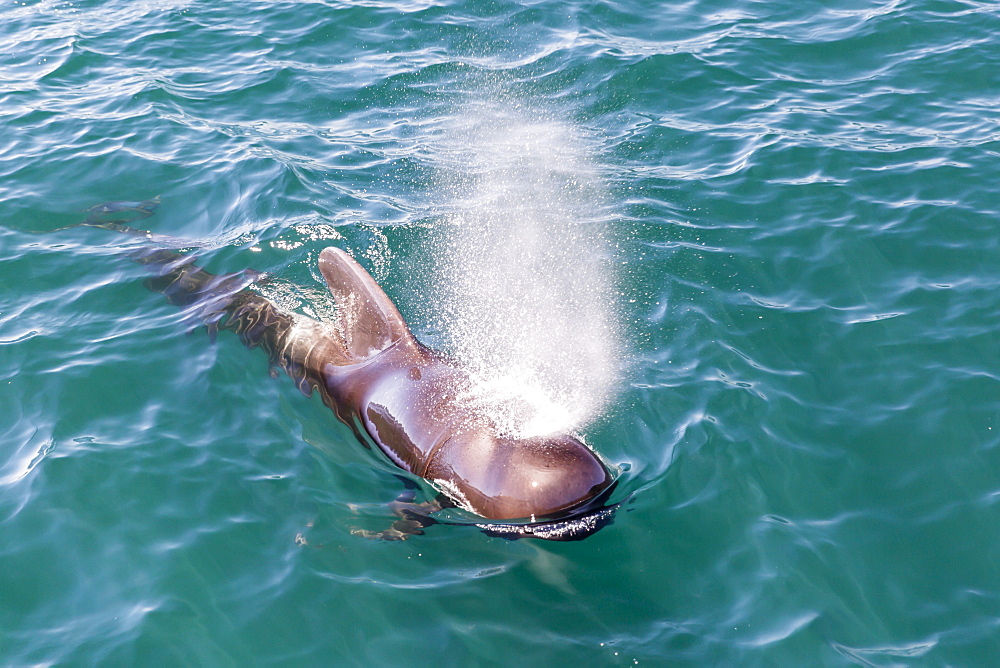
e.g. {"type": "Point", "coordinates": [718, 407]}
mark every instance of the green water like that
{"type": "Point", "coordinates": [800, 202]}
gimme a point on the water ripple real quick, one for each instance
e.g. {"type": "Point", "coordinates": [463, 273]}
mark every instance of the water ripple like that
{"type": "Point", "coordinates": [800, 203]}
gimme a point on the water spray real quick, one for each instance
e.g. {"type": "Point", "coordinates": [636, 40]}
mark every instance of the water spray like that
{"type": "Point", "coordinates": [523, 268]}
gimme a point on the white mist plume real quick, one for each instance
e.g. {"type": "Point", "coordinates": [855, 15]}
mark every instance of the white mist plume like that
{"type": "Point", "coordinates": [524, 269]}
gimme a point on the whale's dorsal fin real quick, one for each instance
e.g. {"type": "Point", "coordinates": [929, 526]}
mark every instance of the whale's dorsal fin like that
{"type": "Point", "coordinates": [367, 318]}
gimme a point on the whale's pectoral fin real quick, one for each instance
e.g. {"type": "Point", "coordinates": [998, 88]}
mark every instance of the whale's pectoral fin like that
{"type": "Point", "coordinates": [113, 216]}
{"type": "Point", "coordinates": [121, 212]}
{"type": "Point", "coordinates": [367, 318]}
{"type": "Point", "coordinates": [413, 518]}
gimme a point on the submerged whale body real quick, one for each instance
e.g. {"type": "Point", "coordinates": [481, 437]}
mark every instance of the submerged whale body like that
{"type": "Point", "coordinates": [411, 401]}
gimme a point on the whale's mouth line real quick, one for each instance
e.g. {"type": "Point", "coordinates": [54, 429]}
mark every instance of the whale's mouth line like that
{"type": "Point", "coordinates": [577, 527]}
{"type": "Point", "coordinates": [573, 524]}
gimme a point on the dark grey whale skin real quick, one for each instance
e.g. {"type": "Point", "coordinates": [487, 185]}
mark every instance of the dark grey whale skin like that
{"type": "Point", "coordinates": [408, 399]}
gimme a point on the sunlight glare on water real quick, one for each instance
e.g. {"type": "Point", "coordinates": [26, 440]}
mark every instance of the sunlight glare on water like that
{"type": "Point", "coordinates": [523, 267]}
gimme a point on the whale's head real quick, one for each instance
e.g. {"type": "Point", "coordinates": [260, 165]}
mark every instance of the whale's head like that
{"type": "Point", "coordinates": [555, 484]}
{"type": "Point", "coordinates": [410, 401]}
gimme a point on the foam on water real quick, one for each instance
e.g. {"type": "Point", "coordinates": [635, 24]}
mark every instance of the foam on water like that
{"type": "Point", "coordinates": [523, 268]}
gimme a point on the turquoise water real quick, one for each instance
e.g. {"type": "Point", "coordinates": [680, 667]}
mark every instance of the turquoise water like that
{"type": "Point", "coordinates": [800, 202]}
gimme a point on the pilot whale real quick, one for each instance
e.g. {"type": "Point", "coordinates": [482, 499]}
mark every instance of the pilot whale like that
{"type": "Point", "coordinates": [407, 399]}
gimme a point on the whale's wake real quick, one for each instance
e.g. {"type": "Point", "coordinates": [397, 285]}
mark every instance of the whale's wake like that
{"type": "Point", "coordinates": [524, 268]}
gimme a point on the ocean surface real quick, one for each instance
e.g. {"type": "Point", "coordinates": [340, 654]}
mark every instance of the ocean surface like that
{"type": "Point", "coordinates": [749, 250]}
